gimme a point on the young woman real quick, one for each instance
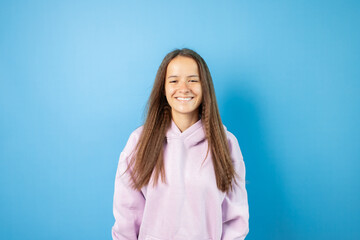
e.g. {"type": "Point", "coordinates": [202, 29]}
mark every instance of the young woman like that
{"type": "Point", "coordinates": [181, 176]}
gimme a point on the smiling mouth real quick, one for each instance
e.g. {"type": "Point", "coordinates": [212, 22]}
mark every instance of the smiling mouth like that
{"type": "Point", "coordinates": [184, 99]}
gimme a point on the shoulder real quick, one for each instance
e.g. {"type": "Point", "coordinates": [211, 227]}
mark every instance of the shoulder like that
{"type": "Point", "coordinates": [133, 140]}
{"type": "Point", "coordinates": [232, 143]}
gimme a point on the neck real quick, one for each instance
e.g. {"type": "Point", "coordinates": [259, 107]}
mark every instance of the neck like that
{"type": "Point", "coordinates": [183, 121]}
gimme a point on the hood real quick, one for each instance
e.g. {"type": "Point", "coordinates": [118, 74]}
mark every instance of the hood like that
{"type": "Point", "coordinates": [191, 136]}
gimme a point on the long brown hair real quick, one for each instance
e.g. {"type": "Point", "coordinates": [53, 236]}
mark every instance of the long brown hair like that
{"type": "Point", "coordinates": [148, 153]}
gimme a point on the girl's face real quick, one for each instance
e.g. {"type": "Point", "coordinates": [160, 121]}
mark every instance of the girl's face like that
{"type": "Point", "coordinates": [183, 88]}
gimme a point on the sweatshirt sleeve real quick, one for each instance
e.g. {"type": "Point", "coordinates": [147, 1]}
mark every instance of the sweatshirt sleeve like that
{"type": "Point", "coordinates": [235, 209]}
{"type": "Point", "coordinates": [128, 204]}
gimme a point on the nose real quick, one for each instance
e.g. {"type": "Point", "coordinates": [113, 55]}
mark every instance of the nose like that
{"type": "Point", "coordinates": [183, 87]}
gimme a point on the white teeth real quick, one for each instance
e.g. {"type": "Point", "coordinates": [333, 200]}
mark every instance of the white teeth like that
{"type": "Point", "coordinates": [184, 99]}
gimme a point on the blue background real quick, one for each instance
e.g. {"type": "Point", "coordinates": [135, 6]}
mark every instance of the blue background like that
{"type": "Point", "coordinates": [75, 77]}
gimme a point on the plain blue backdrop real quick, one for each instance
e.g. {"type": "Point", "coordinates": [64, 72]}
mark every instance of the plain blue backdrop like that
{"type": "Point", "coordinates": [75, 77]}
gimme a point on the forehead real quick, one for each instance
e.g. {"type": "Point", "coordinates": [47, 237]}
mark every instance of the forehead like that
{"type": "Point", "coordinates": [182, 65]}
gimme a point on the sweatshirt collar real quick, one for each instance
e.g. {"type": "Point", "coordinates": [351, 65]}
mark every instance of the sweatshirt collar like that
{"type": "Point", "coordinates": [191, 136]}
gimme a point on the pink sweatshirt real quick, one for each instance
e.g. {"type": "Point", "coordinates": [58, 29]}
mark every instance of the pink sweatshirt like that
{"type": "Point", "coordinates": [189, 206]}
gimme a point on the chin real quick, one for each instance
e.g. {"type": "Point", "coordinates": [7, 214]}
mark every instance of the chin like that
{"type": "Point", "coordinates": [184, 111]}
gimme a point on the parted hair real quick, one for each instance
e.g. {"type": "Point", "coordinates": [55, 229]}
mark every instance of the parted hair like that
{"type": "Point", "coordinates": [147, 158]}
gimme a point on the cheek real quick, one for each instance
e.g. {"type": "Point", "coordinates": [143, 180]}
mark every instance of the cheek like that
{"type": "Point", "coordinates": [168, 92]}
{"type": "Point", "coordinates": [199, 91]}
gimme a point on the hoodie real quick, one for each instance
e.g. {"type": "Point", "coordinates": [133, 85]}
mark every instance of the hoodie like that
{"type": "Point", "coordinates": [189, 206]}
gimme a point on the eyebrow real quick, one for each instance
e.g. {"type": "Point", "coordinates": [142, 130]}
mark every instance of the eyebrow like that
{"type": "Point", "coordinates": [188, 76]}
